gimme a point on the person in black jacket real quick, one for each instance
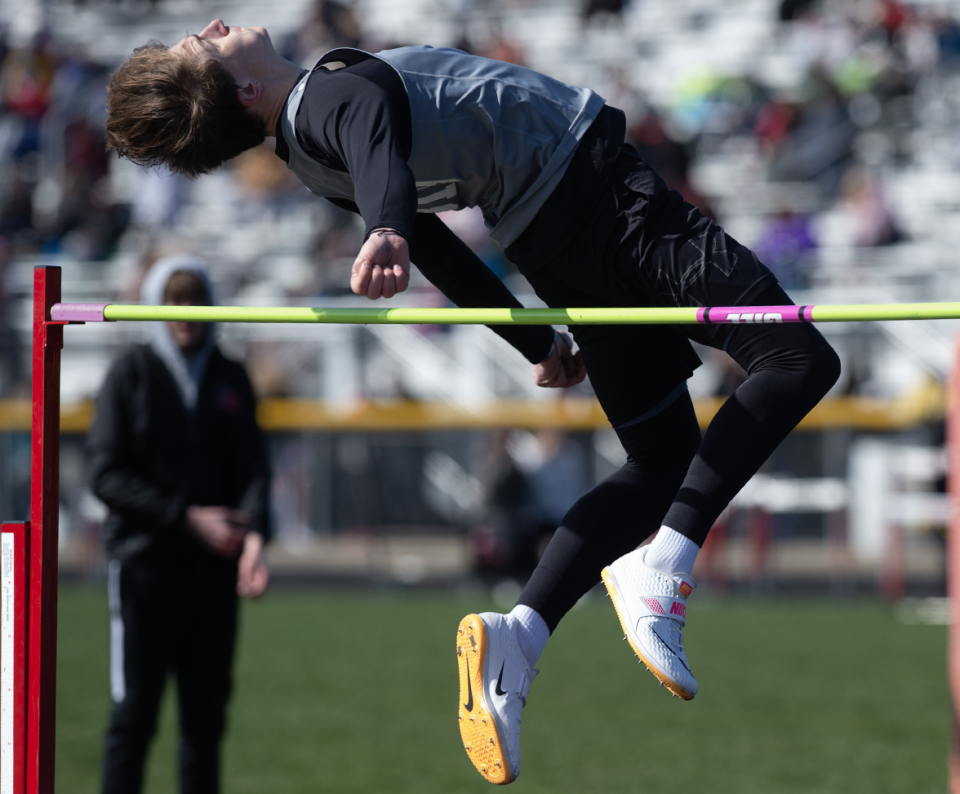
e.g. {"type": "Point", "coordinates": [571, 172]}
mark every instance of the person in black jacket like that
{"type": "Point", "coordinates": [177, 457]}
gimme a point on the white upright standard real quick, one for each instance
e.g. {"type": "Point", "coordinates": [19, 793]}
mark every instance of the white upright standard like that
{"type": "Point", "coordinates": [7, 628]}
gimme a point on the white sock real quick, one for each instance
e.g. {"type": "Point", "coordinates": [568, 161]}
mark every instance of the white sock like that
{"type": "Point", "coordinates": [532, 632]}
{"type": "Point", "coordinates": [672, 552]}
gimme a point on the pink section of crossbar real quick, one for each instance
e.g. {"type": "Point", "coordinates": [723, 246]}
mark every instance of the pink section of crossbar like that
{"type": "Point", "coordinates": [753, 315]}
{"type": "Point", "coordinates": [78, 312]}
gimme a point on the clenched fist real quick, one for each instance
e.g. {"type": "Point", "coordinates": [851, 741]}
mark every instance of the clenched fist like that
{"type": "Point", "coordinates": [382, 268]}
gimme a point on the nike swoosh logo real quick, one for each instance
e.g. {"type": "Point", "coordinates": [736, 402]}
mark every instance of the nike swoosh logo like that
{"type": "Point", "coordinates": [671, 650]}
{"type": "Point", "coordinates": [499, 690]}
{"type": "Point", "coordinates": [469, 704]}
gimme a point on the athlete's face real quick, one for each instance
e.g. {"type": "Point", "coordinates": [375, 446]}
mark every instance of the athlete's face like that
{"type": "Point", "coordinates": [243, 51]}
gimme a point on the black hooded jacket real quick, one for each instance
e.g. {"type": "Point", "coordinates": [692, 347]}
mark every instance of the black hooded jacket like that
{"type": "Point", "coordinates": [150, 459]}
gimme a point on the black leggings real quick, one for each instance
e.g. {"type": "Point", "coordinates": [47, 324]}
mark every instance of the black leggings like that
{"type": "Point", "coordinates": [642, 245]}
{"type": "Point", "coordinates": [674, 478]}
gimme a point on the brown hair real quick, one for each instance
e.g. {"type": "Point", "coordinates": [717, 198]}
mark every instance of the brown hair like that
{"type": "Point", "coordinates": [185, 286]}
{"type": "Point", "coordinates": [163, 108]}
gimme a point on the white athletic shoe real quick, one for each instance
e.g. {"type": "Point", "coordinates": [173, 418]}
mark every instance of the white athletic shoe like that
{"type": "Point", "coordinates": [652, 607]}
{"type": "Point", "coordinates": [495, 678]}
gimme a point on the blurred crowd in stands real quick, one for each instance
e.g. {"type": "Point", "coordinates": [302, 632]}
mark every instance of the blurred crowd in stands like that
{"type": "Point", "coordinates": [835, 130]}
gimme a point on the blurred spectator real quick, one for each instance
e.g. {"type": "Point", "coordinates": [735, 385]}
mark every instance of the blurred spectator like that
{"type": "Point", "coordinates": [558, 477]}
{"type": "Point", "coordinates": [158, 198]}
{"type": "Point", "coordinates": [25, 80]}
{"type": "Point", "coordinates": [871, 222]}
{"type": "Point", "coordinates": [463, 41]}
{"type": "Point", "coordinates": [505, 541]}
{"type": "Point", "coordinates": [774, 121]}
{"type": "Point", "coordinates": [334, 248]}
{"type": "Point", "coordinates": [819, 145]}
{"type": "Point", "coordinates": [531, 481]}
{"type": "Point", "coordinates": [593, 7]}
{"type": "Point", "coordinates": [88, 221]}
{"type": "Point", "coordinates": [791, 9]}
{"type": "Point", "coordinates": [948, 39]}
{"type": "Point", "coordinates": [893, 18]}
{"type": "Point", "coordinates": [16, 206]}
{"type": "Point", "coordinates": [11, 365]}
{"type": "Point", "coordinates": [500, 48]}
{"type": "Point", "coordinates": [266, 186]}
{"type": "Point", "coordinates": [331, 24]}
{"type": "Point", "coordinates": [784, 245]}
{"type": "Point", "coordinates": [176, 455]}
{"type": "Point", "coordinates": [55, 193]}
{"type": "Point", "coordinates": [668, 158]}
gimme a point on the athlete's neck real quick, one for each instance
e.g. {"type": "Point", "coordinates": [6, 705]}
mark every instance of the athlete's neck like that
{"type": "Point", "coordinates": [277, 85]}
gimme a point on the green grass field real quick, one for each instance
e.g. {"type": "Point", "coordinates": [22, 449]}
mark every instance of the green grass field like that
{"type": "Point", "coordinates": [342, 692]}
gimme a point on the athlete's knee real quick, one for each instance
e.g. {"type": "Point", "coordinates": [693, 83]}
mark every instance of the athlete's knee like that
{"type": "Point", "coordinates": [801, 357]}
{"type": "Point", "coordinates": [807, 361]}
{"type": "Point", "coordinates": [811, 370]}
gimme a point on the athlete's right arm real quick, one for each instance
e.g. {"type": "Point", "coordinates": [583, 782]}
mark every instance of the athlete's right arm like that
{"type": "Point", "coordinates": [463, 277]}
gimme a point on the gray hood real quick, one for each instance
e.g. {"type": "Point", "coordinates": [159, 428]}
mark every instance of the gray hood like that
{"type": "Point", "coordinates": [187, 371]}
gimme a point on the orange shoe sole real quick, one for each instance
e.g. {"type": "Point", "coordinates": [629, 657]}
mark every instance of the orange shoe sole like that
{"type": "Point", "coordinates": [477, 726]}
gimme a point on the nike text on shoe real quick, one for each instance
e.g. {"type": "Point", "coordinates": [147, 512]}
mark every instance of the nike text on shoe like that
{"type": "Point", "coordinates": [494, 681]}
{"type": "Point", "coordinates": [652, 607]}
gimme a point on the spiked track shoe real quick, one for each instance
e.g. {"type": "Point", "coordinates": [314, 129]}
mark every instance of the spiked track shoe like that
{"type": "Point", "coordinates": [494, 681]}
{"type": "Point", "coordinates": [652, 607]}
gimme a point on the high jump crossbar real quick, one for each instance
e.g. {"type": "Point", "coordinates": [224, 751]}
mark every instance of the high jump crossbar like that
{"type": "Point", "coordinates": [29, 549]}
{"type": "Point", "coordinates": [717, 315]}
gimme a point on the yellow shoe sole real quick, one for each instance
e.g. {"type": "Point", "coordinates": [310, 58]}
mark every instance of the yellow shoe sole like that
{"type": "Point", "coordinates": [617, 600]}
{"type": "Point", "coordinates": [478, 728]}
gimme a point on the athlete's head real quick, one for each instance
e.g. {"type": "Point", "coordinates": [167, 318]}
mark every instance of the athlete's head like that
{"type": "Point", "coordinates": [194, 105]}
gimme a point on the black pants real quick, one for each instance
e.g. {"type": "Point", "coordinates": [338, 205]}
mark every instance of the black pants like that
{"type": "Point", "coordinates": [644, 246]}
{"type": "Point", "coordinates": [171, 610]}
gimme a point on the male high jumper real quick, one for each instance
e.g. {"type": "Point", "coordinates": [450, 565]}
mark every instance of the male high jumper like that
{"type": "Point", "coordinates": [404, 133]}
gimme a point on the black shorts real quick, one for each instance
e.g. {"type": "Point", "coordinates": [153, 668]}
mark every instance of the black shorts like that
{"type": "Point", "coordinates": [643, 245]}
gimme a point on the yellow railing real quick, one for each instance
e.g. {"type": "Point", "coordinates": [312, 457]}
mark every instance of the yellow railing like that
{"type": "Point", "coordinates": [283, 415]}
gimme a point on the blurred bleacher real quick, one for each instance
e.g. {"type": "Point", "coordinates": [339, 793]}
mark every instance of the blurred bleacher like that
{"type": "Point", "coordinates": [693, 62]}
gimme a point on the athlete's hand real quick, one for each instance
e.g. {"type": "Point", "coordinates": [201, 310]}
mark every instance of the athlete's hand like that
{"type": "Point", "coordinates": [220, 529]}
{"type": "Point", "coordinates": [252, 573]}
{"type": "Point", "coordinates": [563, 368]}
{"type": "Point", "coordinates": [382, 268]}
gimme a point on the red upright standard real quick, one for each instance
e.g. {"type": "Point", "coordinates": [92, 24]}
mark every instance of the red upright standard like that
{"type": "Point", "coordinates": [44, 512]}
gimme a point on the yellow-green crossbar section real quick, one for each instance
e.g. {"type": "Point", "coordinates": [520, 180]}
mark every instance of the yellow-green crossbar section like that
{"type": "Point", "coordinates": [402, 316]}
